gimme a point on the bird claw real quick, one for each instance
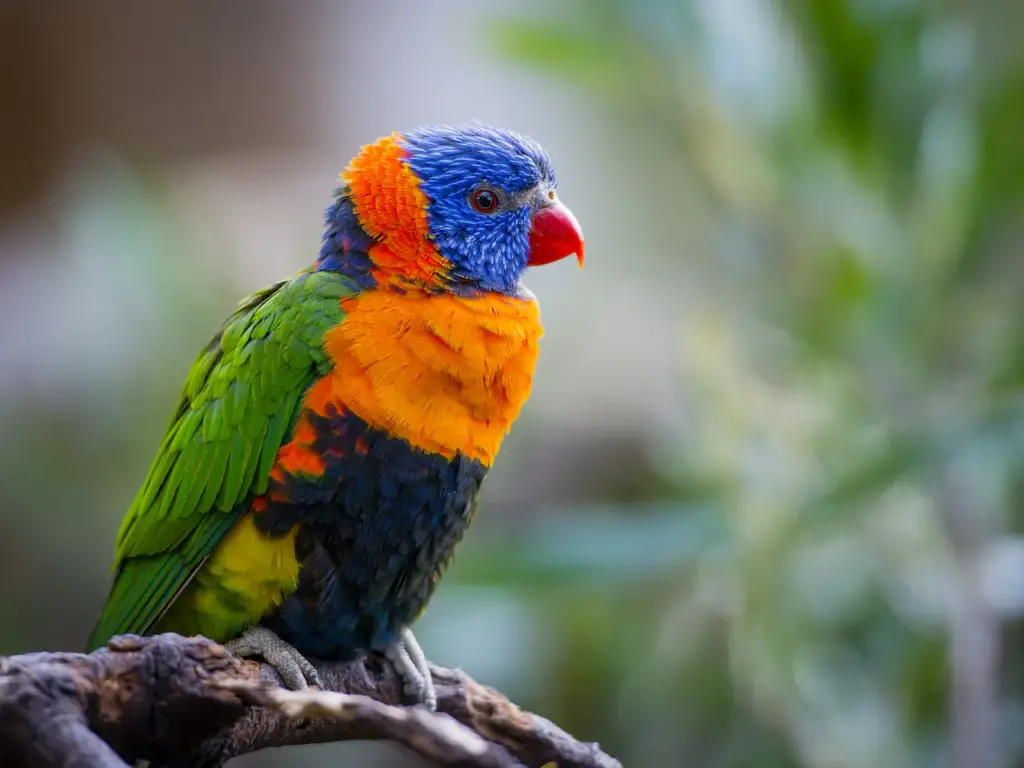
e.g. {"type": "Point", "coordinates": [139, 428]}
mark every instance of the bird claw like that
{"type": "Point", "coordinates": [410, 663]}
{"type": "Point", "coordinates": [294, 669]}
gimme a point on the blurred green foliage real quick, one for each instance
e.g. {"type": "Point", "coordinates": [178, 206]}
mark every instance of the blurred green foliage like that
{"type": "Point", "coordinates": [855, 398]}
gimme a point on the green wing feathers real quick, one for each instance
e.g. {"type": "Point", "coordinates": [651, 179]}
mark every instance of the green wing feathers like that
{"type": "Point", "coordinates": [238, 407]}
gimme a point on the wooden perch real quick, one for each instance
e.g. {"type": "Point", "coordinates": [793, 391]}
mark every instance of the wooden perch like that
{"type": "Point", "coordinates": [179, 701]}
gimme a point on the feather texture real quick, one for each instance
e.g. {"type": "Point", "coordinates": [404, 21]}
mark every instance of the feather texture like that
{"type": "Point", "coordinates": [239, 403]}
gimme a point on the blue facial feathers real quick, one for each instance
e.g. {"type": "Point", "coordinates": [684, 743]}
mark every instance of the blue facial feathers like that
{"type": "Point", "coordinates": [487, 251]}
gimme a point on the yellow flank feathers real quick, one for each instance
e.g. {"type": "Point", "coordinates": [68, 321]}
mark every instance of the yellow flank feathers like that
{"type": "Point", "coordinates": [247, 575]}
{"type": "Point", "coordinates": [445, 373]}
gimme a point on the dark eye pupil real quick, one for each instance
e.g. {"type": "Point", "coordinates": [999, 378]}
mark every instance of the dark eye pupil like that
{"type": "Point", "coordinates": [485, 200]}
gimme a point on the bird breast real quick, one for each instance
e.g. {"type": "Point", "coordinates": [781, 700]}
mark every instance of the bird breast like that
{"type": "Point", "coordinates": [448, 374]}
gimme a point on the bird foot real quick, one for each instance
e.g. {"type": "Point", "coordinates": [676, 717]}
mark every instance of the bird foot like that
{"type": "Point", "coordinates": [295, 670]}
{"type": "Point", "coordinates": [410, 663]}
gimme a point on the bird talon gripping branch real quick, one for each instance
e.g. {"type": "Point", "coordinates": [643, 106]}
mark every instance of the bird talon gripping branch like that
{"type": "Point", "coordinates": [294, 669]}
{"type": "Point", "coordinates": [330, 441]}
{"type": "Point", "coordinates": [411, 665]}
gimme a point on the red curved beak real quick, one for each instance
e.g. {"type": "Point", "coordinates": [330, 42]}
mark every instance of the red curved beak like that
{"type": "Point", "coordinates": [554, 235]}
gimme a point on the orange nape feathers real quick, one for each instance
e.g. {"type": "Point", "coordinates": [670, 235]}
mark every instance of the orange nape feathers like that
{"type": "Point", "coordinates": [391, 207]}
{"type": "Point", "coordinates": [448, 374]}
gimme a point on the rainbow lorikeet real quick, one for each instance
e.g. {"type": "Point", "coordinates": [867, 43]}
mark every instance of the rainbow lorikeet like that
{"type": "Point", "coordinates": [330, 443]}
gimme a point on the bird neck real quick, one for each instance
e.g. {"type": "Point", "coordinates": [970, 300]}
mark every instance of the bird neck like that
{"type": "Point", "coordinates": [345, 247]}
{"type": "Point", "coordinates": [402, 261]}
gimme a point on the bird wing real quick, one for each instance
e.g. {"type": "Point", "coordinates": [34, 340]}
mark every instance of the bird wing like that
{"type": "Point", "coordinates": [240, 403]}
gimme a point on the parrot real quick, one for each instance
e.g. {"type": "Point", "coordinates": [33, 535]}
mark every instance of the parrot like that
{"type": "Point", "coordinates": [328, 449]}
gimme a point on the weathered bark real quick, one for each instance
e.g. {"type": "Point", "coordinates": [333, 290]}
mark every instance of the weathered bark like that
{"type": "Point", "coordinates": [186, 702]}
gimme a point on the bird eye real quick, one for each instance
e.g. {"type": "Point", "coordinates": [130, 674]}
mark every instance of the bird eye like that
{"type": "Point", "coordinates": [485, 200]}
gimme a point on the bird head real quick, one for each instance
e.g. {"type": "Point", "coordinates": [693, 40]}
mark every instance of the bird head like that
{"type": "Point", "coordinates": [460, 209]}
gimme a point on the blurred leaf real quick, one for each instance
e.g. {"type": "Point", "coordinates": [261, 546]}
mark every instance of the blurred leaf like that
{"type": "Point", "coordinates": [844, 55]}
{"type": "Point", "coordinates": [565, 48]}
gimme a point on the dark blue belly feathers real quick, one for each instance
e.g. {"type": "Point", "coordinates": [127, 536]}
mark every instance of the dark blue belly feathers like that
{"type": "Point", "coordinates": [375, 531]}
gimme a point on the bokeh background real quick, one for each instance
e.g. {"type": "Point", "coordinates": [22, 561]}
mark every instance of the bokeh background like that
{"type": "Point", "coordinates": [764, 507]}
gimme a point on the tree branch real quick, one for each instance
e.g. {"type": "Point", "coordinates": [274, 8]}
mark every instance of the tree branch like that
{"type": "Point", "coordinates": [186, 702]}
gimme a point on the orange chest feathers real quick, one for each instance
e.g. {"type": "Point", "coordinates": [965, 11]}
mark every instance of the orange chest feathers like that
{"type": "Point", "coordinates": [447, 374]}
